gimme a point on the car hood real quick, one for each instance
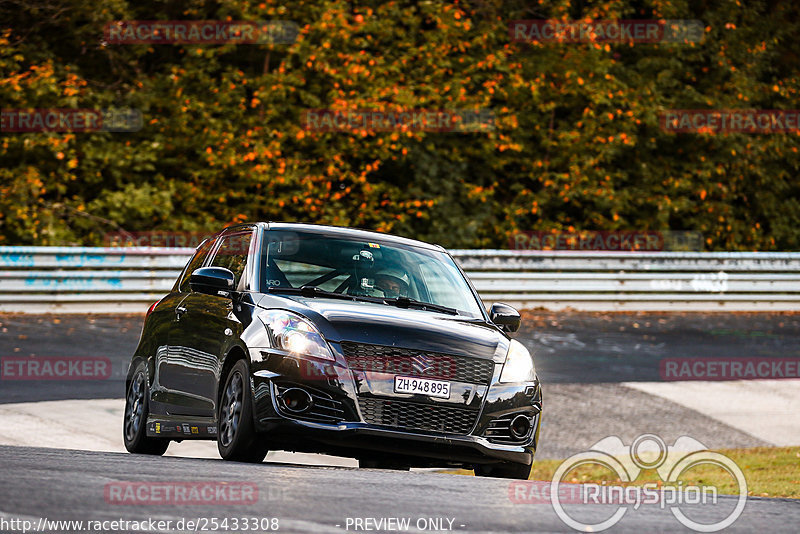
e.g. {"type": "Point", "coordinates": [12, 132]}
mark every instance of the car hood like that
{"type": "Point", "coordinates": [380, 324]}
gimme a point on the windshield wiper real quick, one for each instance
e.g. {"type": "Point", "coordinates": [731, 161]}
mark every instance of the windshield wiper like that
{"type": "Point", "coordinates": [400, 302]}
{"type": "Point", "coordinates": [405, 302]}
{"type": "Point", "coordinates": [314, 291]}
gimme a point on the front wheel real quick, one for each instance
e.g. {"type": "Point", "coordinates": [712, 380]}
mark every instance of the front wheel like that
{"type": "Point", "coordinates": [134, 427]}
{"type": "Point", "coordinates": [236, 437]}
{"type": "Point", "coordinates": [505, 470]}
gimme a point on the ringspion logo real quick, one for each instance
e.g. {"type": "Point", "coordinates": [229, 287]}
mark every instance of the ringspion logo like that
{"type": "Point", "coordinates": [648, 452]}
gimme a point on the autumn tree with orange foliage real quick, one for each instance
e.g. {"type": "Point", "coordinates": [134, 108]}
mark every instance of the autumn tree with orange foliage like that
{"type": "Point", "coordinates": [576, 145]}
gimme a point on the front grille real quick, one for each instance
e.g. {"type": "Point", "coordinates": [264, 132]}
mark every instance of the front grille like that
{"type": "Point", "coordinates": [325, 409]}
{"type": "Point", "coordinates": [411, 415]}
{"type": "Point", "coordinates": [409, 362]}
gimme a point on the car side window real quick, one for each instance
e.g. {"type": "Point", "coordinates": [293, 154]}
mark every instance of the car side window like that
{"type": "Point", "coordinates": [232, 254]}
{"type": "Point", "coordinates": [195, 263]}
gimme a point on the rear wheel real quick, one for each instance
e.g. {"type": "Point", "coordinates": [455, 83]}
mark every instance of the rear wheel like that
{"type": "Point", "coordinates": [134, 426]}
{"type": "Point", "coordinates": [504, 470]}
{"type": "Point", "coordinates": [236, 436]}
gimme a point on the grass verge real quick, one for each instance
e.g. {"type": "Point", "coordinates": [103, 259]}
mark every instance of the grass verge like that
{"type": "Point", "coordinates": [769, 471]}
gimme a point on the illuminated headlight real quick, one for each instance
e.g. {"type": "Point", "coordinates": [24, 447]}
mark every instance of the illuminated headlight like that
{"type": "Point", "coordinates": [519, 364]}
{"type": "Point", "coordinates": [295, 335]}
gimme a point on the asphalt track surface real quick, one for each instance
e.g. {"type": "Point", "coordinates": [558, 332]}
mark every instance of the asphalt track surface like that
{"type": "Point", "coordinates": [582, 359]}
{"type": "Point", "coordinates": [64, 485]}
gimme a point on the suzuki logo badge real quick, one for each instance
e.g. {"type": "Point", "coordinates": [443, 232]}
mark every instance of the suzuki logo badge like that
{"type": "Point", "coordinates": [421, 363]}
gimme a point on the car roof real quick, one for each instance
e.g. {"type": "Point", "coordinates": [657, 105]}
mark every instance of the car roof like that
{"type": "Point", "coordinates": [342, 231]}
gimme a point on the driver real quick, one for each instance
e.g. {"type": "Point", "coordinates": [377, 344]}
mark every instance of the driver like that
{"type": "Point", "coordinates": [393, 282]}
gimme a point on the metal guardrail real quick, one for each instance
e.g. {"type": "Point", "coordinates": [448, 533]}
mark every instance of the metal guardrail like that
{"type": "Point", "coordinates": [86, 279]}
{"type": "Point", "coordinates": [637, 281]}
{"type": "Point", "coordinates": [106, 280]}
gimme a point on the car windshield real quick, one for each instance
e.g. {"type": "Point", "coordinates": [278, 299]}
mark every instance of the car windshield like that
{"type": "Point", "coordinates": [362, 268]}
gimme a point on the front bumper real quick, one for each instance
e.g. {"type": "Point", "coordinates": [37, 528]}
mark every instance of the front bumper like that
{"type": "Point", "coordinates": [349, 434]}
{"type": "Point", "coordinates": [361, 440]}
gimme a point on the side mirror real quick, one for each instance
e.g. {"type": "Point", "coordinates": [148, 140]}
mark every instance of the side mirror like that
{"type": "Point", "coordinates": [212, 281]}
{"type": "Point", "coordinates": [504, 316]}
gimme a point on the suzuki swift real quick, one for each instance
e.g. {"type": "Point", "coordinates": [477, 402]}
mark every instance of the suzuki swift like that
{"type": "Point", "coordinates": [333, 340]}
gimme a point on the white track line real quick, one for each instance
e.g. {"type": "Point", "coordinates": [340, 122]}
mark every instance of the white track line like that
{"type": "Point", "coordinates": [96, 425]}
{"type": "Point", "coordinates": [766, 409]}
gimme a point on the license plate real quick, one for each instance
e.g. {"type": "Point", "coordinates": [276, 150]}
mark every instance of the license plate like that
{"type": "Point", "coordinates": [422, 386]}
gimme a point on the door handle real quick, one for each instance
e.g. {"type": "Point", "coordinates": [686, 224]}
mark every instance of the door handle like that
{"type": "Point", "coordinates": [179, 311]}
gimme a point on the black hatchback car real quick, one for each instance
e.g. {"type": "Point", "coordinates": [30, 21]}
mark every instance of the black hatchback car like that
{"type": "Point", "coordinates": [347, 342]}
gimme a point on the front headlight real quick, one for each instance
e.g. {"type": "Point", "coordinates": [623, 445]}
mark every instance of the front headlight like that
{"type": "Point", "coordinates": [519, 364]}
{"type": "Point", "coordinates": [295, 335]}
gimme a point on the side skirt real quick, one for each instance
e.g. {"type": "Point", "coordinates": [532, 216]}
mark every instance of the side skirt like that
{"type": "Point", "coordinates": [181, 427]}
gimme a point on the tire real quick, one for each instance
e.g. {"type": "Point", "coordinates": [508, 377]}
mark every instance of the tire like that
{"type": "Point", "coordinates": [134, 422]}
{"type": "Point", "coordinates": [365, 463]}
{"type": "Point", "coordinates": [504, 470]}
{"type": "Point", "coordinates": [237, 439]}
